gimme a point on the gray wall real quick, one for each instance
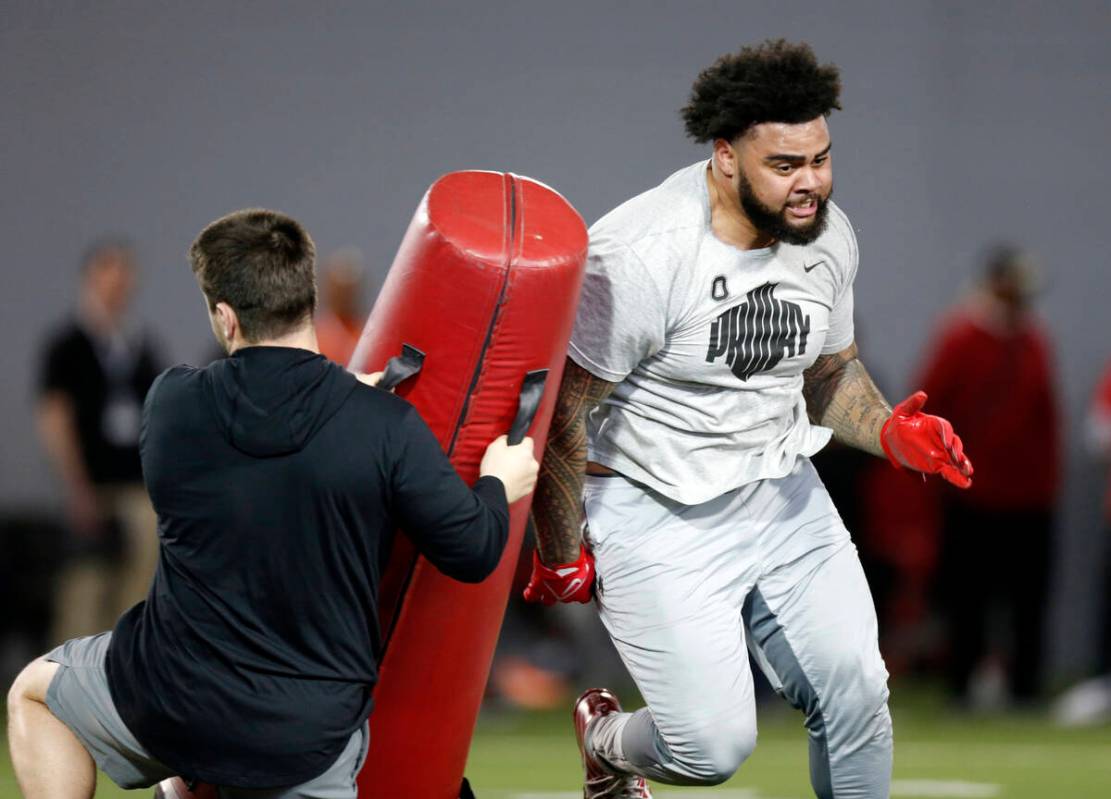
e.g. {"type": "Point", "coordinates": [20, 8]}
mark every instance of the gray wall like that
{"type": "Point", "coordinates": [963, 122]}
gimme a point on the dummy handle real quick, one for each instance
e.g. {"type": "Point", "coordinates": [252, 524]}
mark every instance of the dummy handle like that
{"type": "Point", "coordinates": [532, 389]}
{"type": "Point", "coordinates": [401, 367]}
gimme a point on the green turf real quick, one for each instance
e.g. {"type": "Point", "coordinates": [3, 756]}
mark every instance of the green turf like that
{"type": "Point", "coordinates": [518, 754]}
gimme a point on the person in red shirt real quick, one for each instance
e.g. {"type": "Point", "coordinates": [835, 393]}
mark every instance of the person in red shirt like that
{"type": "Point", "coordinates": [990, 371]}
{"type": "Point", "coordinates": [339, 322]}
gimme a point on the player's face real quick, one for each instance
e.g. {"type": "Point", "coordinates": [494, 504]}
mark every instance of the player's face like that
{"type": "Point", "coordinates": [784, 178]}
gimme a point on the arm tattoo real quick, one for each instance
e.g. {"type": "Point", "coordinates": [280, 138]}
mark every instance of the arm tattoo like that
{"type": "Point", "coordinates": [557, 502]}
{"type": "Point", "coordinates": [841, 395]}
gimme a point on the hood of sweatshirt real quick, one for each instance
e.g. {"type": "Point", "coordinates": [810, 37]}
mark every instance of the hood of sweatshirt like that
{"type": "Point", "coordinates": [271, 401]}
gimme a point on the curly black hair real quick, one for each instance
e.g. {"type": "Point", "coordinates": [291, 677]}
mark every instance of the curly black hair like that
{"type": "Point", "coordinates": [776, 81]}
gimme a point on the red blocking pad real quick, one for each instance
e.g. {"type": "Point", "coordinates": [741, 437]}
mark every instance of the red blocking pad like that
{"type": "Point", "coordinates": [485, 284]}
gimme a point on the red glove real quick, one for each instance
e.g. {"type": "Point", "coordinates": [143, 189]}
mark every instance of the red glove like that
{"type": "Point", "coordinates": [569, 582]}
{"type": "Point", "coordinates": [925, 443]}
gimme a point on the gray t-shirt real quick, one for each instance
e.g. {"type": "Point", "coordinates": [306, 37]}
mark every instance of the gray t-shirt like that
{"type": "Point", "coordinates": [706, 342]}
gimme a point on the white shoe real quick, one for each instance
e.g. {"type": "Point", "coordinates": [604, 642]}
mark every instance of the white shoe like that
{"type": "Point", "coordinates": [1085, 704]}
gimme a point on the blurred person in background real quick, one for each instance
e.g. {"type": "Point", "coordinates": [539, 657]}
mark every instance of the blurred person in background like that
{"type": "Point", "coordinates": [990, 371]}
{"type": "Point", "coordinates": [95, 372]}
{"type": "Point", "coordinates": [339, 322]}
{"type": "Point", "coordinates": [1089, 702]}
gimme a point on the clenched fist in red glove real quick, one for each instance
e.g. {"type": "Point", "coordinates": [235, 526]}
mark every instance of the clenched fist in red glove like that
{"type": "Point", "coordinates": [569, 582]}
{"type": "Point", "coordinates": [925, 443]}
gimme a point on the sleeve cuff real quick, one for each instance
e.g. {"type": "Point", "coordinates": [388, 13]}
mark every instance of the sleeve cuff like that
{"type": "Point", "coordinates": [576, 355]}
{"type": "Point", "coordinates": [492, 491]}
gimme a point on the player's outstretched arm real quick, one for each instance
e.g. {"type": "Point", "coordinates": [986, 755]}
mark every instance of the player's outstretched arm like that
{"type": "Point", "coordinates": [841, 395]}
{"type": "Point", "coordinates": [557, 502]}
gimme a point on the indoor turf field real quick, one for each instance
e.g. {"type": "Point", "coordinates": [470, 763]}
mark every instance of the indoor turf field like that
{"type": "Point", "coordinates": [937, 754]}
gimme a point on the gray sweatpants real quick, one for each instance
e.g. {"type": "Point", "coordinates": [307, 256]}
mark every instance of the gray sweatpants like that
{"type": "Point", "coordinates": [683, 589]}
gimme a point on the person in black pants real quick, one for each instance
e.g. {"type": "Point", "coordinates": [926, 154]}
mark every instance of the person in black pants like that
{"type": "Point", "coordinates": [995, 562]}
{"type": "Point", "coordinates": [278, 478]}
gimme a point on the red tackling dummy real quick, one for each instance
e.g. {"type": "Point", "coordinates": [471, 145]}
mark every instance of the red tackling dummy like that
{"type": "Point", "coordinates": [485, 285]}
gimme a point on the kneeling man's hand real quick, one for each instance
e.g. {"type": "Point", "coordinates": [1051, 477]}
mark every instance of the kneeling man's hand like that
{"type": "Point", "coordinates": [515, 466]}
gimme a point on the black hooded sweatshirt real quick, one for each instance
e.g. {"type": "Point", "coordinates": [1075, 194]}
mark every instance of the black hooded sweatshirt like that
{"type": "Point", "coordinates": [279, 479]}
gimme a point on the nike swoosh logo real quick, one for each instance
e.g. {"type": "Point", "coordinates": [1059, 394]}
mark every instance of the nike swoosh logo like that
{"type": "Point", "coordinates": [812, 266]}
{"type": "Point", "coordinates": [566, 571]}
{"type": "Point", "coordinates": [571, 588]}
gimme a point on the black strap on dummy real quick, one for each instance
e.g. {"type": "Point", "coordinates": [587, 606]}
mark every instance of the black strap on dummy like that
{"type": "Point", "coordinates": [532, 389]}
{"type": "Point", "coordinates": [401, 367]}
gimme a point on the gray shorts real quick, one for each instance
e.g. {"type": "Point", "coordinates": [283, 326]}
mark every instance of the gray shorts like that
{"type": "Point", "coordinates": [79, 696]}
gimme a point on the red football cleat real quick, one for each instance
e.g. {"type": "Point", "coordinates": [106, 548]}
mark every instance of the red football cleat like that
{"type": "Point", "coordinates": [598, 781]}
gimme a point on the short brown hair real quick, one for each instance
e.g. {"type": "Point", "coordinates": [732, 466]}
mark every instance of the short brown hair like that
{"type": "Point", "coordinates": [262, 264]}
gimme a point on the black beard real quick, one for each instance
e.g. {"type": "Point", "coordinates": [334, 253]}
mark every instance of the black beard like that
{"type": "Point", "coordinates": [774, 223]}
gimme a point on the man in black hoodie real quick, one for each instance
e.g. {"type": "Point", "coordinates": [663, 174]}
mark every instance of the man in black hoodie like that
{"type": "Point", "coordinates": [279, 479]}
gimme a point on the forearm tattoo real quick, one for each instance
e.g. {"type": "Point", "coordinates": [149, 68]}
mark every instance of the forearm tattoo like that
{"type": "Point", "coordinates": [841, 395]}
{"type": "Point", "coordinates": [557, 502]}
